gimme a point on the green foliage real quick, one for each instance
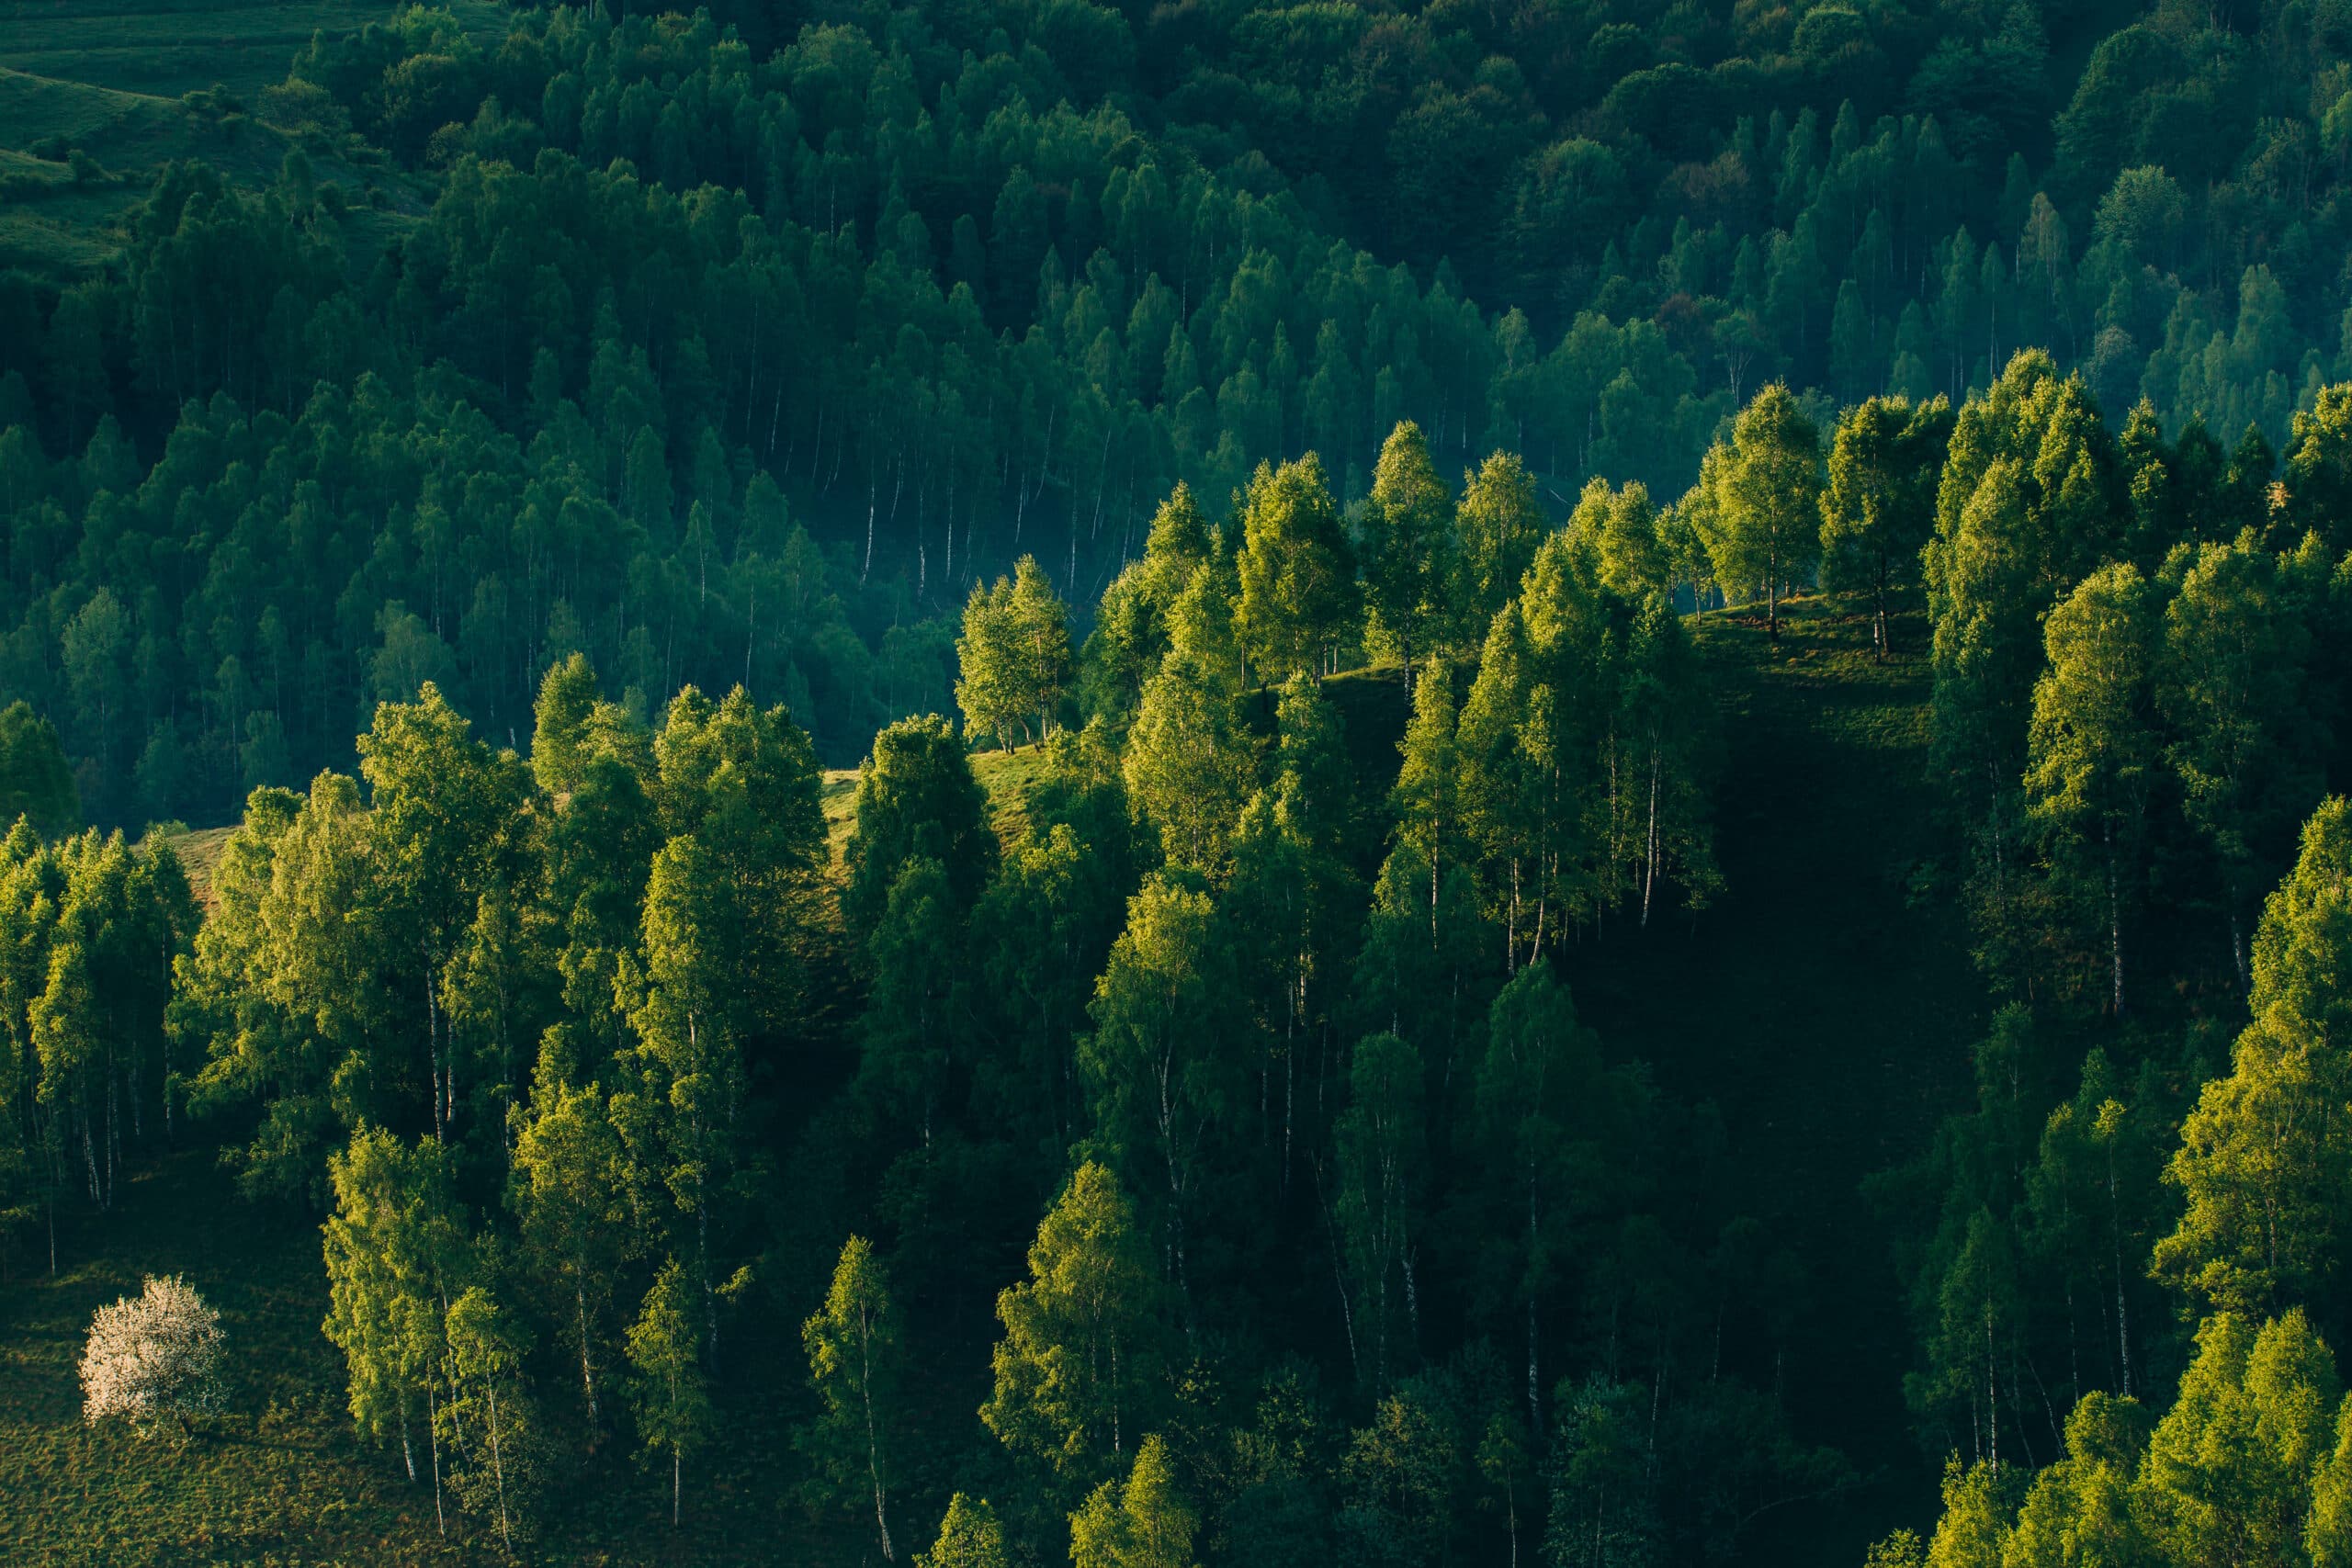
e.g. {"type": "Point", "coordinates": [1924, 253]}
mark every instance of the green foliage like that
{"type": "Point", "coordinates": [36, 781]}
{"type": "Point", "coordinates": [1878, 508]}
{"type": "Point", "coordinates": [852, 1347]}
{"type": "Point", "coordinates": [1077, 1372]}
{"type": "Point", "coordinates": [1298, 593]}
{"type": "Point", "coordinates": [1408, 545]}
{"type": "Point", "coordinates": [916, 797]}
{"type": "Point", "coordinates": [969, 1537]}
{"type": "Point", "coordinates": [1014, 656]}
{"type": "Point", "coordinates": [1141, 1522]}
{"type": "Point", "coordinates": [669, 1395]}
{"type": "Point", "coordinates": [1765, 512]}
{"type": "Point", "coordinates": [2262, 1177]}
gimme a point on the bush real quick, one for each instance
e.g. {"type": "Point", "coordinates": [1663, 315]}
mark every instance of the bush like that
{"type": "Point", "coordinates": [152, 1359]}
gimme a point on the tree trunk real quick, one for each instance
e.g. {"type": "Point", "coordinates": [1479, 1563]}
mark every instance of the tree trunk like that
{"type": "Point", "coordinates": [873, 1442]}
{"type": "Point", "coordinates": [587, 1372]}
{"type": "Point", "coordinates": [2114, 921]}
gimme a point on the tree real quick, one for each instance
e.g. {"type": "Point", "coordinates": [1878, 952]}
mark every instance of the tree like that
{"type": "Point", "coordinates": [282, 985]}
{"type": "Point", "coordinates": [1299, 591]}
{"type": "Point", "coordinates": [1427, 795]}
{"type": "Point", "coordinates": [969, 1537]}
{"type": "Point", "coordinates": [2079, 1509]}
{"type": "Point", "coordinates": [852, 1344]}
{"type": "Point", "coordinates": [672, 1405]}
{"type": "Point", "coordinates": [1077, 1367]}
{"type": "Point", "coordinates": [1766, 502]}
{"type": "Point", "coordinates": [1879, 508]}
{"type": "Point", "coordinates": [1533, 1090]}
{"type": "Point", "coordinates": [1141, 1522]}
{"type": "Point", "coordinates": [395, 1252]}
{"type": "Point", "coordinates": [1131, 629]}
{"type": "Point", "coordinates": [568, 1190]}
{"type": "Point", "coordinates": [153, 1360]}
{"type": "Point", "coordinates": [916, 799]}
{"type": "Point", "coordinates": [1160, 1061]}
{"type": "Point", "coordinates": [36, 780]}
{"type": "Point", "coordinates": [916, 954]}
{"type": "Point", "coordinates": [2228, 1474]}
{"type": "Point", "coordinates": [490, 1416]}
{"type": "Point", "coordinates": [1382, 1146]}
{"type": "Point", "coordinates": [1408, 545]}
{"type": "Point", "coordinates": [1499, 522]}
{"type": "Point", "coordinates": [743, 781]}
{"type": "Point", "coordinates": [1014, 656]}
{"type": "Point", "coordinates": [2091, 752]}
{"type": "Point", "coordinates": [444, 812]}
{"type": "Point", "coordinates": [2265, 1173]}
{"type": "Point", "coordinates": [1190, 761]}
{"type": "Point", "coordinates": [683, 1119]}
{"type": "Point", "coordinates": [2232, 685]}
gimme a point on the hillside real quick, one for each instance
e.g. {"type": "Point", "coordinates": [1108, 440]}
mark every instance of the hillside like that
{"type": "Point", "coordinates": [1847, 997]}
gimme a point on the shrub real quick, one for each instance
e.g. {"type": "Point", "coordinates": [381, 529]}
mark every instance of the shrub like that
{"type": "Point", "coordinates": [154, 1358]}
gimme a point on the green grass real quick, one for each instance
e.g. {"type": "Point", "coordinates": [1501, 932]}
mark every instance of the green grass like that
{"type": "Point", "coordinates": [279, 1477]}
{"type": "Point", "coordinates": [111, 76]}
{"type": "Point", "coordinates": [166, 48]}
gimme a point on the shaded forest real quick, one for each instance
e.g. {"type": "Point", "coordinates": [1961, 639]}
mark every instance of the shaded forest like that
{"type": "Point", "coordinates": [1209, 783]}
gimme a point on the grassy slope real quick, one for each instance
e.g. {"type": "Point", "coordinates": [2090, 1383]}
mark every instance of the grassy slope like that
{"type": "Point", "coordinates": [1826, 1016]}
{"type": "Point", "coordinates": [109, 75]}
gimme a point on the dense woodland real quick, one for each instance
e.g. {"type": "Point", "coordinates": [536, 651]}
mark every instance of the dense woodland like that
{"type": "Point", "coordinates": [1313, 446]}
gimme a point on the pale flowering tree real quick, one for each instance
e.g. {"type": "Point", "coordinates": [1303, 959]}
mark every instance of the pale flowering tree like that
{"type": "Point", "coordinates": [153, 1359]}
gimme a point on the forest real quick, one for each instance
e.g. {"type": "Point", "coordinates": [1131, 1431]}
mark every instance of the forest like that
{"type": "Point", "coordinates": [1176, 784]}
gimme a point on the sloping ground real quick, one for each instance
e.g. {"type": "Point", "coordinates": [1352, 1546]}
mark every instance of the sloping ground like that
{"type": "Point", "coordinates": [113, 78]}
{"type": "Point", "coordinates": [1825, 1006]}
{"type": "Point", "coordinates": [280, 1478]}
{"type": "Point", "coordinates": [170, 46]}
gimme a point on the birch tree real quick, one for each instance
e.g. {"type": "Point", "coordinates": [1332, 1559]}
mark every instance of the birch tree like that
{"type": "Point", "coordinates": [852, 1347]}
{"type": "Point", "coordinates": [1077, 1370]}
{"type": "Point", "coordinates": [2092, 749]}
{"type": "Point", "coordinates": [668, 1394]}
